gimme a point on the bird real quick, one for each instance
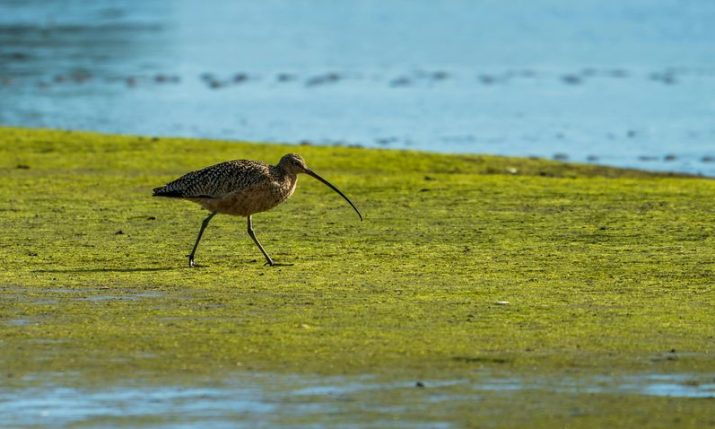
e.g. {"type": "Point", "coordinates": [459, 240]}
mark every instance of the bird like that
{"type": "Point", "coordinates": [242, 188]}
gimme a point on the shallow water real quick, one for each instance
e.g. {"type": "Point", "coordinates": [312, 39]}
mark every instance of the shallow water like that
{"type": "Point", "coordinates": [620, 83]}
{"type": "Point", "coordinates": [249, 399]}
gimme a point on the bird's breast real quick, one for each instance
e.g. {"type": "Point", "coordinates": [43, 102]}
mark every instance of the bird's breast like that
{"type": "Point", "coordinates": [283, 189]}
{"type": "Point", "coordinates": [257, 198]}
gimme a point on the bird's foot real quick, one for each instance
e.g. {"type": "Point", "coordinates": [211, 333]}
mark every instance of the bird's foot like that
{"type": "Point", "coordinates": [273, 263]}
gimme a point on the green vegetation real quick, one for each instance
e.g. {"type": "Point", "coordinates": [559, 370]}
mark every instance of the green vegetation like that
{"type": "Point", "coordinates": [464, 263]}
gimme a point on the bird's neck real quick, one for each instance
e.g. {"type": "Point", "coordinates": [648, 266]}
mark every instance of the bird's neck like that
{"type": "Point", "coordinates": [284, 177]}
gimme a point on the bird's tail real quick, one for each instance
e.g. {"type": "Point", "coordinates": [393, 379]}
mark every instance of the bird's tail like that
{"type": "Point", "coordinates": [164, 192]}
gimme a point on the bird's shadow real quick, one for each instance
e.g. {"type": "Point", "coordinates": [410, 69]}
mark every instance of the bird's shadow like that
{"type": "Point", "coordinates": [139, 269]}
{"type": "Point", "coordinates": [275, 264]}
{"type": "Point", "coordinates": [107, 270]}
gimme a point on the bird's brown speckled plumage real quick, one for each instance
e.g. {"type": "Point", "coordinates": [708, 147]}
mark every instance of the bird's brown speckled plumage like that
{"type": "Point", "coordinates": [241, 188]}
{"type": "Point", "coordinates": [238, 187]}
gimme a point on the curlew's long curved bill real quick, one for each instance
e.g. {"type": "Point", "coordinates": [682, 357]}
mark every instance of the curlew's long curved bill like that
{"type": "Point", "coordinates": [330, 185]}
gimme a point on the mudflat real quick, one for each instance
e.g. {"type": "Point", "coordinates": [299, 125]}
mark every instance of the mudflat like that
{"type": "Point", "coordinates": [466, 268]}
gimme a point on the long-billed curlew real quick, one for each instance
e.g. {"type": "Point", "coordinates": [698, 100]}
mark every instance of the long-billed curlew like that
{"type": "Point", "coordinates": [241, 188]}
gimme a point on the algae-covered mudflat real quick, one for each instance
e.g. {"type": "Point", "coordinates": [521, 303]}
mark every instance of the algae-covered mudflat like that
{"type": "Point", "coordinates": [479, 291]}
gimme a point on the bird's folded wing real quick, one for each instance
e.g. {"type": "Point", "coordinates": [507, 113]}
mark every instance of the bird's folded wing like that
{"type": "Point", "coordinates": [215, 181]}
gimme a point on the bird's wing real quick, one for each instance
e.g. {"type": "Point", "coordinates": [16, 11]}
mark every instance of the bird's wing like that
{"type": "Point", "coordinates": [217, 180]}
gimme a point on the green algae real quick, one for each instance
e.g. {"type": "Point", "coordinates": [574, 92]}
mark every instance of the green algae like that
{"type": "Point", "coordinates": [463, 263]}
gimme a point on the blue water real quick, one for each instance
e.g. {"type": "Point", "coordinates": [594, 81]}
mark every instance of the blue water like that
{"type": "Point", "coordinates": [603, 81]}
{"type": "Point", "coordinates": [278, 400]}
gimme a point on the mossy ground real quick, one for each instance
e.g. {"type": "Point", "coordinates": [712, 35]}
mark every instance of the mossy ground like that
{"type": "Point", "coordinates": [604, 270]}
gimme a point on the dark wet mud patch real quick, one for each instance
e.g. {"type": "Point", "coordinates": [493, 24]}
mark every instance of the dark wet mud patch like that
{"type": "Point", "coordinates": [56, 295]}
{"type": "Point", "coordinates": [126, 297]}
{"type": "Point", "coordinates": [21, 322]}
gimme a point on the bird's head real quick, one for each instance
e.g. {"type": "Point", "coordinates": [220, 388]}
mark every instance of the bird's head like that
{"type": "Point", "coordinates": [294, 164]}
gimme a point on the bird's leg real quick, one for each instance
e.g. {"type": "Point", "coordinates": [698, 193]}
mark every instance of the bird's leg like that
{"type": "Point", "coordinates": [204, 224]}
{"type": "Point", "coordinates": [269, 261]}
